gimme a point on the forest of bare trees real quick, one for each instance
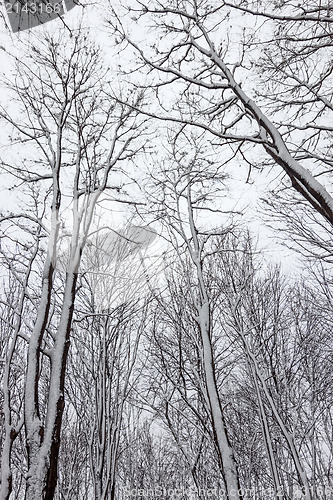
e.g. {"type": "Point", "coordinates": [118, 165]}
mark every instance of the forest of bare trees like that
{"type": "Point", "coordinates": [166, 213]}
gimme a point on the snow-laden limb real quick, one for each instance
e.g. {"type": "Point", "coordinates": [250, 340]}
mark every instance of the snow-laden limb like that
{"type": "Point", "coordinates": [199, 64]}
{"type": "Point", "coordinates": [302, 180]}
{"type": "Point", "coordinates": [299, 13]}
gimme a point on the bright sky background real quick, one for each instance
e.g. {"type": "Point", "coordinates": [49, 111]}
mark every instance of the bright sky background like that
{"type": "Point", "coordinates": [244, 196]}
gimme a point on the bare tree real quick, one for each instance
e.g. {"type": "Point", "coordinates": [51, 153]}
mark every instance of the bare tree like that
{"type": "Point", "coordinates": [274, 326]}
{"type": "Point", "coordinates": [206, 66]}
{"type": "Point", "coordinates": [176, 391]}
{"type": "Point", "coordinates": [79, 136]}
{"type": "Point", "coordinates": [103, 370]}
{"type": "Point", "coordinates": [184, 190]}
{"type": "Point", "coordinates": [21, 258]}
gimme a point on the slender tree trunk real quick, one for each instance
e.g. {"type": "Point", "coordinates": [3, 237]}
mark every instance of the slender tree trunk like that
{"type": "Point", "coordinates": [228, 463]}
{"type": "Point", "coordinates": [264, 423]}
{"type": "Point", "coordinates": [226, 454]}
{"type": "Point", "coordinates": [11, 432]}
{"type": "Point", "coordinates": [57, 385]}
{"type": "Point", "coordinates": [6, 472]}
{"type": "Point", "coordinates": [33, 424]}
{"type": "Point", "coordinates": [267, 440]}
{"type": "Point", "coordinates": [285, 432]}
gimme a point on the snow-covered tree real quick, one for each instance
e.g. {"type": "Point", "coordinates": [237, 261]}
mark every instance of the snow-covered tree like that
{"type": "Point", "coordinates": [247, 73]}
{"type": "Point", "coordinates": [74, 137]}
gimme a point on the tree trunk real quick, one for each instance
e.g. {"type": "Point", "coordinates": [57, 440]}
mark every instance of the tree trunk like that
{"type": "Point", "coordinates": [227, 460]}
{"type": "Point", "coordinates": [225, 451]}
{"type": "Point", "coordinates": [43, 454]}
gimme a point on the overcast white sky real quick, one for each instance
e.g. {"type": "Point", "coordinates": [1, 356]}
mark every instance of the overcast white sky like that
{"type": "Point", "coordinates": [244, 196]}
